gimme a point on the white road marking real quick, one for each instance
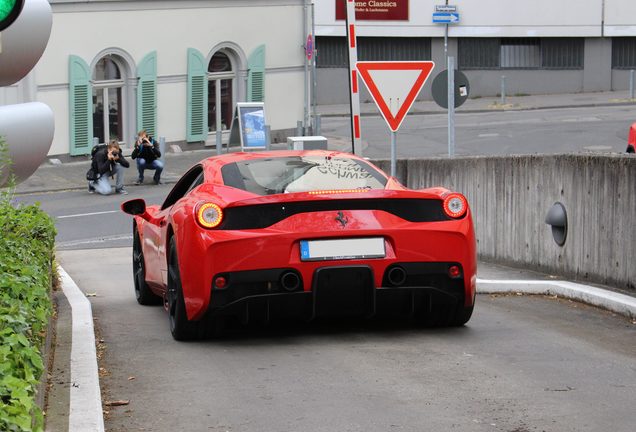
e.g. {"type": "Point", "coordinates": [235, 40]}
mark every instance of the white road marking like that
{"type": "Point", "coordinates": [488, 135]}
{"type": "Point", "coordinates": [580, 119]}
{"type": "Point", "coordinates": [87, 214]}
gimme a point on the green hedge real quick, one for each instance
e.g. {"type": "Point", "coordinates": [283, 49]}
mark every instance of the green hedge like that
{"type": "Point", "coordinates": [27, 238]}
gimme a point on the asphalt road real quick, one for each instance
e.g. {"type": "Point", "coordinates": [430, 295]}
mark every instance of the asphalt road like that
{"type": "Point", "coordinates": [521, 364]}
{"type": "Point", "coordinates": [549, 131]}
{"type": "Point", "coordinates": [89, 221]}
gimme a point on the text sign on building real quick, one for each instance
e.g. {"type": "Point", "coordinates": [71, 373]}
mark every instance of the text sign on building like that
{"type": "Point", "coordinates": [394, 85]}
{"type": "Point", "coordinates": [445, 18]}
{"type": "Point", "coordinates": [376, 10]}
{"type": "Point", "coordinates": [445, 8]}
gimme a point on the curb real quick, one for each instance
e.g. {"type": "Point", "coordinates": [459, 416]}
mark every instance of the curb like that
{"type": "Point", "coordinates": [615, 302]}
{"type": "Point", "coordinates": [85, 410]}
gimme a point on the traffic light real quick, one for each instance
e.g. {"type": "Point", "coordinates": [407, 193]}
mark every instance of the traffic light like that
{"type": "Point", "coordinates": [27, 129]}
{"type": "Point", "coordinates": [9, 11]}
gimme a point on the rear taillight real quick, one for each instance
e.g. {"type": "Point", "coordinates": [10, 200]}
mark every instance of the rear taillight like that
{"type": "Point", "coordinates": [455, 205]}
{"type": "Point", "coordinates": [208, 215]}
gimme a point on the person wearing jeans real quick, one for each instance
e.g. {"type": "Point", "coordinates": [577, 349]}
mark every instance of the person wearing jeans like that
{"type": "Point", "coordinates": [147, 154]}
{"type": "Point", "coordinates": [108, 162]}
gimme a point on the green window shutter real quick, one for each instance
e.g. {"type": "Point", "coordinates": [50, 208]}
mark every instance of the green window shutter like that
{"type": "Point", "coordinates": [197, 111]}
{"type": "Point", "coordinates": [256, 75]}
{"type": "Point", "coordinates": [80, 106]}
{"type": "Point", "coordinates": [147, 94]}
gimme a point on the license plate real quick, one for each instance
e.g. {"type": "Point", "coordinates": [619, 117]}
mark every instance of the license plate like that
{"type": "Point", "coordinates": [341, 249]}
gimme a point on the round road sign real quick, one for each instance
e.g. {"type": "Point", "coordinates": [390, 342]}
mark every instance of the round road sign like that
{"type": "Point", "coordinates": [440, 88]}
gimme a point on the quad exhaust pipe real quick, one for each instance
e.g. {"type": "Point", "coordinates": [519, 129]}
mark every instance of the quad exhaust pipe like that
{"type": "Point", "coordinates": [397, 276]}
{"type": "Point", "coordinates": [290, 281]}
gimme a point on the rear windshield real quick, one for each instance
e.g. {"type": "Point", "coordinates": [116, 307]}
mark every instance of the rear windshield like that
{"type": "Point", "coordinates": [301, 174]}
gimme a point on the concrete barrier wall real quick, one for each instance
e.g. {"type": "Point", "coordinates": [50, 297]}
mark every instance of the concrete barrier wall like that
{"type": "Point", "coordinates": [510, 197]}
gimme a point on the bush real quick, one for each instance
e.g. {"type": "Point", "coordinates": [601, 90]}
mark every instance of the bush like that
{"type": "Point", "coordinates": [26, 252]}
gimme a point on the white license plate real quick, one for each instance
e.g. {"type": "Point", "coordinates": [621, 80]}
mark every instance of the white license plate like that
{"type": "Point", "coordinates": [340, 249]}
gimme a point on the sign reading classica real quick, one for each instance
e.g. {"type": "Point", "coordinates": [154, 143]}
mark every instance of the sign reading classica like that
{"type": "Point", "coordinates": [376, 10]}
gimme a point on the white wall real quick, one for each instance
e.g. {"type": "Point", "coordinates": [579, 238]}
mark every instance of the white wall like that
{"type": "Point", "coordinates": [87, 28]}
{"type": "Point", "coordinates": [497, 18]}
{"type": "Point", "coordinates": [620, 18]}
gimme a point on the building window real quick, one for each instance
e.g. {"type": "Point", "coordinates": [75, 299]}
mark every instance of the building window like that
{"type": "Point", "coordinates": [520, 53]}
{"type": "Point", "coordinates": [478, 53]}
{"type": "Point", "coordinates": [332, 51]}
{"type": "Point", "coordinates": [107, 100]}
{"type": "Point", "coordinates": [624, 53]}
{"type": "Point", "coordinates": [220, 94]}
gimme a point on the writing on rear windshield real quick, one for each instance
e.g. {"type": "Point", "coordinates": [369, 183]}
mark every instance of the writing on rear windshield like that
{"type": "Point", "coordinates": [290, 174]}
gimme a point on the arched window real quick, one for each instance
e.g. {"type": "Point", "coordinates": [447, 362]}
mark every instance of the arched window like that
{"type": "Point", "coordinates": [221, 77]}
{"type": "Point", "coordinates": [108, 84]}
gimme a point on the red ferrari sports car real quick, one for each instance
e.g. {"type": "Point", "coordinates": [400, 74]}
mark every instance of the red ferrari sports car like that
{"type": "Point", "coordinates": [302, 233]}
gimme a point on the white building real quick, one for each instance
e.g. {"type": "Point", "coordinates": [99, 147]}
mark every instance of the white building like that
{"type": "Point", "coordinates": [540, 46]}
{"type": "Point", "coordinates": [174, 68]}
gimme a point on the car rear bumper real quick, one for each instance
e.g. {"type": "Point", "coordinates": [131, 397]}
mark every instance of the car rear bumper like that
{"type": "Point", "coordinates": [342, 290]}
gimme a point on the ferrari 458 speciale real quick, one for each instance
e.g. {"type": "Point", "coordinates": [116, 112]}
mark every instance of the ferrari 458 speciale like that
{"type": "Point", "coordinates": [255, 236]}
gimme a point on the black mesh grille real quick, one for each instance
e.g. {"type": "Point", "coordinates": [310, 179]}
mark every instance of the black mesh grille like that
{"type": "Point", "coordinates": [262, 216]}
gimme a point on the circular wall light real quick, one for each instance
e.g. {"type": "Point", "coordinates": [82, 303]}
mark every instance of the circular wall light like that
{"type": "Point", "coordinates": [557, 217]}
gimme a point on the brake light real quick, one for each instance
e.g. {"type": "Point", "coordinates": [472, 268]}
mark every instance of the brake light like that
{"type": "Point", "coordinates": [455, 205]}
{"type": "Point", "coordinates": [209, 215]}
{"type": "Point", "coordinates": [336, 191]}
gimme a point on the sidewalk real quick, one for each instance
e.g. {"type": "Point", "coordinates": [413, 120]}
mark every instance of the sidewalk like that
{"type": "Point", "coordinates": [54, 175]}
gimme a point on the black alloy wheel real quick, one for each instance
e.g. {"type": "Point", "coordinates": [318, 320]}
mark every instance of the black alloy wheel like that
{"type": "Point", "coordinates": [180, 328]}
{"type": "Point", "coordinates": [143, 292]}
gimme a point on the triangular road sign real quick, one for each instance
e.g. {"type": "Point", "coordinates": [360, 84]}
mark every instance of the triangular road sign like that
{"type": "Point", "coordinates": [394, 85]}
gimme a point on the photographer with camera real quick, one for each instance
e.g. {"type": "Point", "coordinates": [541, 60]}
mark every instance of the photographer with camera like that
{"type": "Point", "coordinates": [147, 153]}
{"type": "Point", "coordinates": [108, 161]}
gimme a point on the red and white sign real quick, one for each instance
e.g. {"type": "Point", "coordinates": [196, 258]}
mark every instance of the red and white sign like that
{"type": "Point", "coordinates": [309, 46]}
{"type": "Point", "coordinates": [394, 85]}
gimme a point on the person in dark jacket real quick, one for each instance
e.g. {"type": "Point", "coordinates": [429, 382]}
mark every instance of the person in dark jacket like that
{"type": "Point", "coordinates": [147, 153]}
{"type": "Point", "coordinates": [108, 162]}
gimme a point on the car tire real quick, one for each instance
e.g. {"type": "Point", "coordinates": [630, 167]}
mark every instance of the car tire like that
{"type": "Point", "coordinates": [180, 328]}
{"type": "Point", "coordinates": [143, 293]}
{"type": "Point", "coordinates": [462, 316]}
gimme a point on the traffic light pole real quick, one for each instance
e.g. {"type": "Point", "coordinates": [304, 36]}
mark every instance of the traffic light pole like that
{"type": "Point", "coordinates": [27, 128]}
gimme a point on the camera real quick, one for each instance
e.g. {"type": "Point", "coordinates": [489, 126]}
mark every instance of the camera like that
{"type": "Point", "coordinates": [115, 153]}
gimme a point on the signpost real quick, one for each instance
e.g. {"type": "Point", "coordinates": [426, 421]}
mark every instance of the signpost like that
{"type": "Point", "coordinates": [447, 14]}
{"type": "Point", "coordinates": [354, 96]}
{"type": "Point", "coordinates": [394, 85]}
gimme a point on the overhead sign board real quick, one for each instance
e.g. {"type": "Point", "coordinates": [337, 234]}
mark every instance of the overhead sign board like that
{"type": "Point", "coordinates": [445, 8]}
{"type": "Point", "coordinates": [445, 18]}
{"type": "Point", "coordinates": [376, 10]}
{"type": "Point", "coordinates": [394, 85]}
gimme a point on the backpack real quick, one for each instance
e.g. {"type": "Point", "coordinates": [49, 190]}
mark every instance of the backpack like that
{"type": "Point", "coordinates": [91, 174]}
{"type": "Point", "coordinates": [97, 148]}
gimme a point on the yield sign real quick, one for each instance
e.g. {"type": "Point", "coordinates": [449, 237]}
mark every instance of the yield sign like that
{"type": "Point", "coordinates": [394, 86]}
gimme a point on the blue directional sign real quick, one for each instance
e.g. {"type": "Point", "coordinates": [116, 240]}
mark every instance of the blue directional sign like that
{"type": "Point", "coordinates": [445, 17]}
